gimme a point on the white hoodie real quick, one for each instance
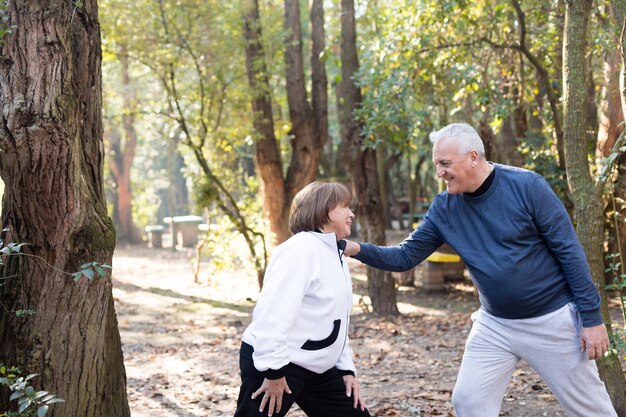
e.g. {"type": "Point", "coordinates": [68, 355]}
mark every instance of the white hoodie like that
{"type": "Point", "coordinates": [303, 312]}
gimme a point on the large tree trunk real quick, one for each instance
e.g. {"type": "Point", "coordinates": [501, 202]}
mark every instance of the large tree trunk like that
{"type": "Point", "coordinates": [309, 125]}
{"type": "Point", "coordinates": [122, 152]}
{"type": "Point", "coordinates": [52, 165]}
{"type": "Point", "coordinates": [611, 114]}
{"type": "Point", "coordinates": [319, 79]}
{"type": "Point", "coordinates": [611, 125]}
{"type": "Point", "coordinates": [364, 173]}
{"type": "Point", "coordinates": [268, 160]}
{"type": "Point", "coordinates": [588, 203]}
{"type": "Point", "coordinates": [306, 147]}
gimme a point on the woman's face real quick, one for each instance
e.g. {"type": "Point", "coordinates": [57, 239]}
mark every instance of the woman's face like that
{"type": "Point", "coordinates": [340, 220]}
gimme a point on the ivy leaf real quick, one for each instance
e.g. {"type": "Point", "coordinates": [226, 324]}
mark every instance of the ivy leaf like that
{"type": "Point", "coordinates": [89, 273]}
{"type": "Point", "coordinates": [24, 406]}
{"type": "Point", "coordinates": [40, 394]}
{"type": "Point", "coordinates": [55, 400]}
{"type": "Point", "coordinates": [42, 410]}
{"type": "Point", "coordinates": [77, 275]}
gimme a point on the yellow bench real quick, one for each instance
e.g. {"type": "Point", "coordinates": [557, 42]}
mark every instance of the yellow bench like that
{"type": "Point", "coordinates": [439, 266]}
{"type": "Point", "coordinates": [443, 257]}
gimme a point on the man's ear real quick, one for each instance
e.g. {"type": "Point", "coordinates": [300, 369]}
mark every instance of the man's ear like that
{"type": "Point", "coordinates": [474, 157]}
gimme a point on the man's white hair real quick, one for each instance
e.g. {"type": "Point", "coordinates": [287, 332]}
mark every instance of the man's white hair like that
{"type": "Point", "coordinates": [464, 135]}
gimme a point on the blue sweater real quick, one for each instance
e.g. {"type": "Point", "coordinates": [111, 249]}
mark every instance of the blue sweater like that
{"type": "Point", "coordinates": [517, 242]}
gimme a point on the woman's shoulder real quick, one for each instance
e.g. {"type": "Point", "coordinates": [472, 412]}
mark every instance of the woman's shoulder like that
{"type": "Point", "coordinates": [298, 249]}
{"type": "Point", "coordinates": [299, 240]}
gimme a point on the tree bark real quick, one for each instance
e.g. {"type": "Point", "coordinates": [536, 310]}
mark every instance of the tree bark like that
{"type": "Point", "coordinates": [587, 197]}
{"type": "Point", "coordinates": [363, 167]}
{"type": "Point", "coordinates": [487, 136]}
{"type": "Point", "coordinates": [309, 125]}
{"type": "Point", "coordinates": [611, 114]}
{"type": "Point", "coordinates": [267, 156]}
{"type": "Point", "coordinates": [611, 126]}
{"type": "Point", "coordinates": [306, 147]}
{"type": "Point", "coordinates": [319, 80]}
{"type": "Point", "coordinates": [52, 165]}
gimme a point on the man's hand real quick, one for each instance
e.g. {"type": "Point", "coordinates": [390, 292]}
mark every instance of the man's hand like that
{"type": "Point", "coordinates": [594, 340]}
{"type": "Point", "coordinates": [272, 390]}
{"type": "Point", "coordinates": [353, 390]}
{"type": "Point", "coordinates": [352, 248]}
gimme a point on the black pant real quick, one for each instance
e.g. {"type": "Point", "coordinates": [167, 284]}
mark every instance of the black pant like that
{"type": "Point", "coordinates": [318, 395]}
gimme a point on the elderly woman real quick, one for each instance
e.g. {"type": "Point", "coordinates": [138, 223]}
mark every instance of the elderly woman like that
{"type": "Point", "coordinates": [296, 348]}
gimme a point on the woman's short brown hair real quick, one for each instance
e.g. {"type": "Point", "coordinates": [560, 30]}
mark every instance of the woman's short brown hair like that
{"type": "Point", "coordinates": [310, 207]}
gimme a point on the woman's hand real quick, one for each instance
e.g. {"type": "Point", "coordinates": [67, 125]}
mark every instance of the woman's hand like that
{"type": "Point", "coordinates": [352, 389]}
{"type": "Point", "coordinates": [272, 390]}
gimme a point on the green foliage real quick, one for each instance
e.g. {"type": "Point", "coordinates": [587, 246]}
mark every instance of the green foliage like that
{"type": "Point", "coordinates": [5, 29]}
{"type": "Point", "coordinates": [233, 256]}
{"type": "Point", "coordinates": [187, 73]}
{"type": "Point", "coordinates": [91, 270]}
{"type": "Point", "coordinates": [31, 403]}
{"type": "Point", "coordinates": [11, 248]}
{"type": "Point", "coordinates": [618, 284]}
{"type": "Point", "coordinates": [539, 157]}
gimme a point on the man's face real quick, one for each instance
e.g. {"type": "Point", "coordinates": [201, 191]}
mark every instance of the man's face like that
{"type": "Point", "coordinates": [453, 168]}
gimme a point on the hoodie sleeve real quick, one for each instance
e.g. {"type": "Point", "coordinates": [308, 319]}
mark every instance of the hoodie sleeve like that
{"type": "Point", "coordinates": [286, 281]}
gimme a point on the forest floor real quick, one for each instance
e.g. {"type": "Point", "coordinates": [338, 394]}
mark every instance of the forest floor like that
{"type": "Point", "coordinates": [181, 340]}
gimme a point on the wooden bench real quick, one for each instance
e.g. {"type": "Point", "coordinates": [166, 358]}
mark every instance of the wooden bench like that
{"type": "Point", "coordinates": [187, 227]}
{"type": "Point", "coordinates": [439, 266]}
{"type": "Point", "coordinates": [155, 235]}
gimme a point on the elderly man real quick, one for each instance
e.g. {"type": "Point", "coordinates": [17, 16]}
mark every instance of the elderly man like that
{"type": "Point", "coordinates": [538, 302]}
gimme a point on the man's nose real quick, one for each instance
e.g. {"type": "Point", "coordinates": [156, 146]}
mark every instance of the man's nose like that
{"type": "Point", "coordinates": [440, 172]}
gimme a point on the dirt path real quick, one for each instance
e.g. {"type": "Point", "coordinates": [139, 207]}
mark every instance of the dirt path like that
{"type": "Point", "coordinates": [181, 342]}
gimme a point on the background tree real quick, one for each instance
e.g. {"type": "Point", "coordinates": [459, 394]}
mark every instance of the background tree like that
{"type": "Point", "coordinates": [587, 193]}
{"type": "Point", "coordinates": [612, 110]}
{"type": "Point", "coordinates": [52, 165]}
{"type": "Point", "coordinates": [364, 172]}
{"type": "Point", "coordinates": [309, 125]}
{"type": "Point", "coordinates": [121, 149]}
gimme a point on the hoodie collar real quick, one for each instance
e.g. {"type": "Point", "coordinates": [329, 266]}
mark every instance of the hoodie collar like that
{"type": "Point", "coordinates": [329, 238]}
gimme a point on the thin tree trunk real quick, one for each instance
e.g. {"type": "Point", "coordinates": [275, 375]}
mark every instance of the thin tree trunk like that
{"type": "Point", "coordinates": [342, 155]}
{"type": "Point", "coordinates": [545, 83]}
{"type": "Point", "coordinates": [363, 163]}
{"type": "Point", "coordinates": [587, 197]}
{"type": "Point", "coordinates": [122, 156]}
{"type": "Point", "coordinates": [52, 165]}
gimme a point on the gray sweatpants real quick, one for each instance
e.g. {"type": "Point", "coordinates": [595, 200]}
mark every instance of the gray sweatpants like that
{"type": "Point", "coordinates": [549, 343]}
